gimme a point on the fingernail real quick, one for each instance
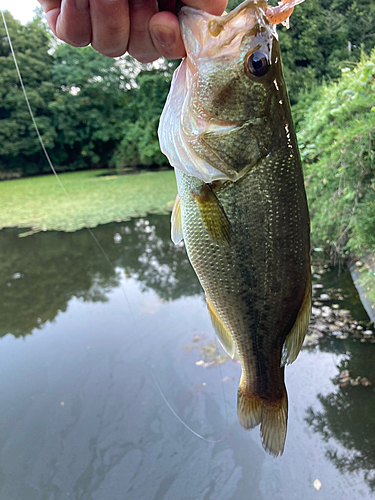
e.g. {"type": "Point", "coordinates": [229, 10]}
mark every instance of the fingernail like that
{"type": "Point", "coordinates": [82, 5]}
{"type": "Point", "coordinates": [163, 35]}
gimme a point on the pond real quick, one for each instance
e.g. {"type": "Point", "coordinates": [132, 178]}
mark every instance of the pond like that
{"type": "Point", "coordinates": [98, 348]}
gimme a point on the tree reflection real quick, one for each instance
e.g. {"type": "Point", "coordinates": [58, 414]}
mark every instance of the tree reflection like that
{"type": "Point", "coordinates": [41, 273]}
{"type": "Point", "coordinates": [348, 417]}
{"type": "Point", "coordinates": [149, 255]}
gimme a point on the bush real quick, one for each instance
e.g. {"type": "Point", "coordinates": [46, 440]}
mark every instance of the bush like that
{"type": "Point", "coordinates": [336, 138]}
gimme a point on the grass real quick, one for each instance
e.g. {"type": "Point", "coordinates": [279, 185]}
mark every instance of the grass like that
{"type": "Point", "coordinates": [93, 198]}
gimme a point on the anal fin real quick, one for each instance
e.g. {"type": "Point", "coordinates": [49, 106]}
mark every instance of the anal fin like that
{"type": "Point", "coordinates": [176, 230]}
{"type": "Point", "coordinates": [295, 338]}
{"type": "Point", "coordinates": [222, 333]}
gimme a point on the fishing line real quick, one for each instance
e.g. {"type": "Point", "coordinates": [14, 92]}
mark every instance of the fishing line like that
{"type": "Point", "coordinates": [89, 229]}
{"type": "Point", "coordinates": [29, 107]}
{"type": "Point", "coordinates": [50, 161]}
{"type": "Point", "coordinates": [178, 418]}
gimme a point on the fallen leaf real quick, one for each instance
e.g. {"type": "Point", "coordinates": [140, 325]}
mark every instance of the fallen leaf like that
{"type": "Point", "coordinates": [317, 484]}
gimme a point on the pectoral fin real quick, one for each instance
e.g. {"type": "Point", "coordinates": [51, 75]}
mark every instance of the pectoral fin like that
{"type": "Point", "coordinates": [222, 333]}
{"type": "Point", "coordinates": [294, 340]}
{"type": "Point", "coordinates": [176, 233]}
{"type": "Point", "coordinates": [213, 216]}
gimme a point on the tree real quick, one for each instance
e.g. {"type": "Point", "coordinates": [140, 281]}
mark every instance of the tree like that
{"type": "Point", "coordinates": [19, 145]}
{"type": "Point", "coordinates": [323, 36]}
{"type": "Point", "coordinates": [88, 107]}
{"type": "Point", "coordinates": [140, 143]}
{"type": "Point", "coordinates": [336, 138]}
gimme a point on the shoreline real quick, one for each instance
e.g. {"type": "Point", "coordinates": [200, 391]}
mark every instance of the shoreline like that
{"type": "Point", "coordinates": [362, 272]}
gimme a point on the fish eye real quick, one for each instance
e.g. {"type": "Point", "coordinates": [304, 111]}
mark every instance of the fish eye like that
{"type": "Point", "coordinates": [258, 63]}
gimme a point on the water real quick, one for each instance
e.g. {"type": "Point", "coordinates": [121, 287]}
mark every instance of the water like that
{"type": "Point", "coordinates": [81, 416]}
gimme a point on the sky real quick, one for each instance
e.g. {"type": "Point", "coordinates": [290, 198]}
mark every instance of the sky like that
{"type": "Point", "coordinates": [20, 9]}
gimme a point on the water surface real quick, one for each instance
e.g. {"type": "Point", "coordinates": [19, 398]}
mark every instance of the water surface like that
{"type": "Point", "coordinates": [84, 346]}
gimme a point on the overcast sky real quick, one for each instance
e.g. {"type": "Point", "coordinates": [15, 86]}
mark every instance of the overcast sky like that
{"type": "Point", "coordinates": [20, 9]}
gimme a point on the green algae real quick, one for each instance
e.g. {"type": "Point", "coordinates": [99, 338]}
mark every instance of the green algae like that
{"type": "Point", "coordinates": [91, 198]}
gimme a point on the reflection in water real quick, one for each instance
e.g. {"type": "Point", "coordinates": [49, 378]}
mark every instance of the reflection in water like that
{"type": "Point", "coordinates": [347, 416]}
{"type": "Point", "coordinates": [114, 437]}
{"type": "Point", "coordinates": [346, 419]}
{"type": "Point", "coordinates": [39, 274]}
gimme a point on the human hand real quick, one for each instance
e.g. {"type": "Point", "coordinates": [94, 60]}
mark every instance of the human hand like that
{"type": "Point", "coordinates": [146, 29]}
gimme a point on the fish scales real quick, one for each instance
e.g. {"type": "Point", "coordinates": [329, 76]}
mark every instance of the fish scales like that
{"type": "Point", "coordinates": [252, 283]}
{"type": "Point", "coordinates": [241, 208]}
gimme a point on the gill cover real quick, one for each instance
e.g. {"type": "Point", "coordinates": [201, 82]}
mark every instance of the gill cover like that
{"type": "Point", "coordinates": [211, 43]}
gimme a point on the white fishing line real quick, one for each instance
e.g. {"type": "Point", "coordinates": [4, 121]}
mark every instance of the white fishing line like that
{"type": "Point", "coordinates": [89, 230]}
{"type": "Point", "coordinates": [50, 161]}
{"type": "Point", "coordinates": [29, 107]}
{"type": "Point", "coordinates": [178, 418]}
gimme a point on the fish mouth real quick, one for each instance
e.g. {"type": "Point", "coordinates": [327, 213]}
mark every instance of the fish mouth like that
{"type": "Point", "coordinates": [216, 26]}
{"type": "Point", "coordinates": [207, 35]}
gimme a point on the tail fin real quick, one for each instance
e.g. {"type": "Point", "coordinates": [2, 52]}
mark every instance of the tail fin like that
{"type": "Point", "coordinates": [272, 416]}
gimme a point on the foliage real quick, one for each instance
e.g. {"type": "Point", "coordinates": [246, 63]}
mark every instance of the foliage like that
{"type": "Point", "coordinates": [93, 198]}
{"type": "Point", "coordinates": [92, 111]}
{"type": "Point", "coordinates": [88, 108]}
{"type": "Point", "coordinates": [140, 143]}
{"type": "Point", "coordinates": [324, 35]}
{"type": "Point", "coordinates": [19, 145]}
{"type": "Point", "coordinates": [336, 140]}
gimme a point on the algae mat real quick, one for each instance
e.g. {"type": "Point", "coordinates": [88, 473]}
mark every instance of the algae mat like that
{"type": "Point", "coordinates": [39, 203]}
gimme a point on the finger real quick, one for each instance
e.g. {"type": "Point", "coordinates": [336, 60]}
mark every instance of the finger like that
{"type": "Point", "coordinates": [52, 10]}
{"type": "Point", "coordinates": [214, 7]}
{"type": "Point", "coordinates": [69, 20]}
{"type": "Point", "coordinates": [166, 35]}
{"type": "Point", "coordinates": [110, 26]}
{"type": "Point", "coordinates": [140, 45]}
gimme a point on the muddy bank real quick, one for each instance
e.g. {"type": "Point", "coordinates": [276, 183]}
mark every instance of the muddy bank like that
{"type": "Point", "coordinates": [363, 274]}
{"type": "Point", "coordinates": [332, 315]}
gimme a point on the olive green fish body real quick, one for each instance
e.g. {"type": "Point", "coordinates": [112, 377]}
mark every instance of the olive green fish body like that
{"type": "Point", "coordinates": [257, 283]}
{"type": "Point", "coordinates": [242, 209]}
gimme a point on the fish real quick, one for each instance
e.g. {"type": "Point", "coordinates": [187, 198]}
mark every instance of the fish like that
{"type": "Point", "coordinates": [241, 207]}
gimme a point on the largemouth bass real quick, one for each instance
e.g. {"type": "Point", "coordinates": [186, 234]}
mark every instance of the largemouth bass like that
{"type": "Point", "coordinates": [241, 208]}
